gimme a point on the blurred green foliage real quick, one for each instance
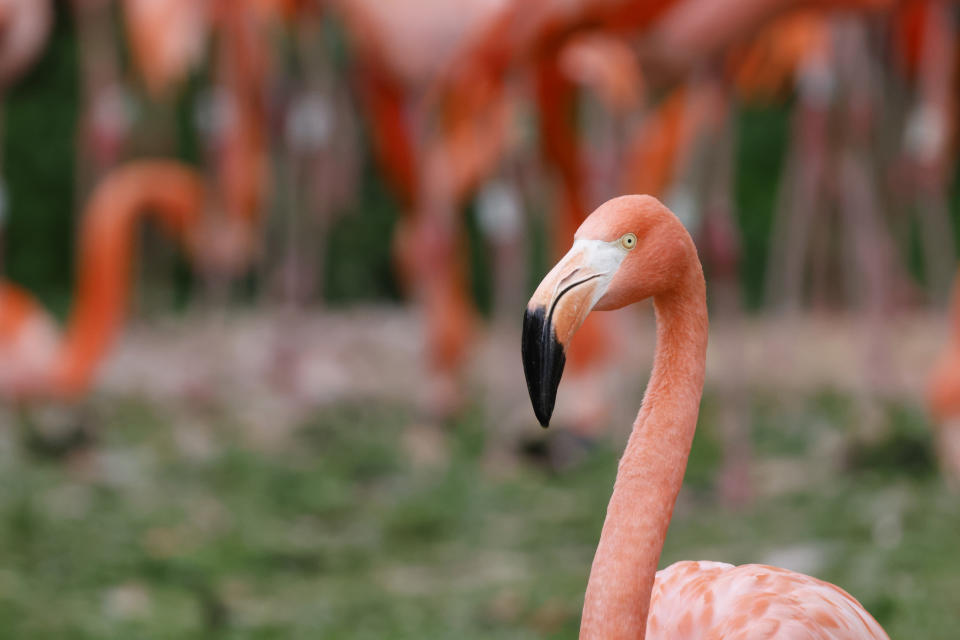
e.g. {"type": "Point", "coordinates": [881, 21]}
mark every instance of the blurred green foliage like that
{"type": "Point", "coordinates": [359, 260]}
{"type": "Point", "coordinates": [38, 155]}
{"type": "Point", "coordinates": [760, 156]}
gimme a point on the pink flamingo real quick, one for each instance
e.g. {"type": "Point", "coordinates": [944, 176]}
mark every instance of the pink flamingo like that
{"type": "Point", "coordinates": [630, 249]}
{"type": "Point", "coordinates": [433, 157]}
{"type": "Point", "coordinates": [35, 361]}
{"type": "Point", "coordinates": [533, 35]}
{"type": "Point", "coordinates": [167, 38]}
{"type": "Point", "coordinates": [439, 129]}
{"type": "Point", "coordinates": [239, 144]}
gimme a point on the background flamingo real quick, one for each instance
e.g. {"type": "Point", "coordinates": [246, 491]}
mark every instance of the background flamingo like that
{"type": "Point", "coordinates": [34, 360]}
{"type": "Point", "coordinates": [432, 161]}
{"type": "Point", "coordinates": [167, 39]}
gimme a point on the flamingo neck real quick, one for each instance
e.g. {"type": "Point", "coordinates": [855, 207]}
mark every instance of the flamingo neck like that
{"type": "Point", "coordinates": [651, 471]}
{"type": "Point", "coordinates": [174, 194]}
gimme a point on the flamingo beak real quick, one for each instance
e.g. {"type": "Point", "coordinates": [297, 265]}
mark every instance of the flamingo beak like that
{"type": "Point", "coordinates": [557, 309]}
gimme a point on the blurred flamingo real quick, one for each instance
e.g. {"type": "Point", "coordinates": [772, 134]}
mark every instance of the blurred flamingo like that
{"type": "Point", "coordinates": [233, 119]}
{"type": "Point", "coordinates": [432, 159]}
{"type": "Point", "coordinates": [167, 39]}
{"type": "Point", "coordinates": [237, 128]}
{"type": "Point", "coordinates": [534, 35]}
{"type": "Point", "coordinates": [563, 46]}
{"type": "Point", "coordinates": [37, 362]}
{"type": "Point", "coordinates": [630, 249]}
{"type": "Point", "coordinates": [435, 146]}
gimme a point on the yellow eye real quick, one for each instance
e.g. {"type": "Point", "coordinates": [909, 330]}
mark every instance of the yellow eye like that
{"type": "Point", "coordinates": [628, 241]}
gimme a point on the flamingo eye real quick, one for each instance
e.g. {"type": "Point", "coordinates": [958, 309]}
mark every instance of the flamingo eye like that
{"type": "Point", "coordinates": [628, 241]}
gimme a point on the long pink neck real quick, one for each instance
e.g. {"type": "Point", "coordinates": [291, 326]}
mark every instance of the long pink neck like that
{"type": "Point", "coordinates": [174, 194]}
{"type": "Point", "coordinates": [651, 470]}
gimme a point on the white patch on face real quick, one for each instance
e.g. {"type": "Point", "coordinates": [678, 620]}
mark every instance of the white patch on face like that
{"type": "Point", "coordinates": [597, 258]}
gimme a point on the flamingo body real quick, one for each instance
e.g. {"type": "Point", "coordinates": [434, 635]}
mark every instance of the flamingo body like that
{"type": "Point", "coordinates": [694, 600]}
{"type": "Point", "coordinates": [629, 249]}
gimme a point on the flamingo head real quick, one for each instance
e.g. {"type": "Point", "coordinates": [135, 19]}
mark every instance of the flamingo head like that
{"type": "Point", "coordinates": [629, 249]}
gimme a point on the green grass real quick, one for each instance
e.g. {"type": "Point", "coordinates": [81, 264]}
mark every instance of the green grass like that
{"type": "Point", "coordinates": [336, 535]}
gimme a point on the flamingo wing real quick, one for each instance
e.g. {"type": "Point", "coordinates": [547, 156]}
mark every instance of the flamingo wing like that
{"type": "Point", "coordinates": [714, 600]}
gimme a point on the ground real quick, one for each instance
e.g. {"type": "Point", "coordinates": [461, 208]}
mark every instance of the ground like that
{"type": "Point", "coordinates": [174, 523]}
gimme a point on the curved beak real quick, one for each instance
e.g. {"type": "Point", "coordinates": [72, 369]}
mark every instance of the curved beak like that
{"type": "Point", "coordinates": [557, 309]}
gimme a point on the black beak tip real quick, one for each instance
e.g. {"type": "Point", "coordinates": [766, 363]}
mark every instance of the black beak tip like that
{"type": "Point", "coordinates": [543, 417]}
{"type": "Point", "coordinates": [543, 362]}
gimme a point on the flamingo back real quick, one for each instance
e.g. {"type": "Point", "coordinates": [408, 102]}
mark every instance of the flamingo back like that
{"type": "Point", "coordinates": [415, 38]}
{"type": "Point", "coordinates": [714, 600]}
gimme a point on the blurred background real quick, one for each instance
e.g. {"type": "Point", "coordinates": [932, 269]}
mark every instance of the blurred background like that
{"type": "Point", "coordinates": [263, 270]}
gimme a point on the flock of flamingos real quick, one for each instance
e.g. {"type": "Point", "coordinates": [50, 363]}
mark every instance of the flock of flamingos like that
{"type": "Point", "coordinates": [441, 87]}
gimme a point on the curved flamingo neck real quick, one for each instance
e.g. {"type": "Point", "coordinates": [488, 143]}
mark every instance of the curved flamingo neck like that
{"type": "Point", "coordinates": [651, 471]}
{"type": "Point", "coordinates": [171, 192]}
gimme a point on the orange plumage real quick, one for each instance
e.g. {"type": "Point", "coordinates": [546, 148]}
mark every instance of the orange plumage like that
{"type": "Point", "coordinates": [34, 359]}
{"type": "Point", "coordinates": [629, 249]}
